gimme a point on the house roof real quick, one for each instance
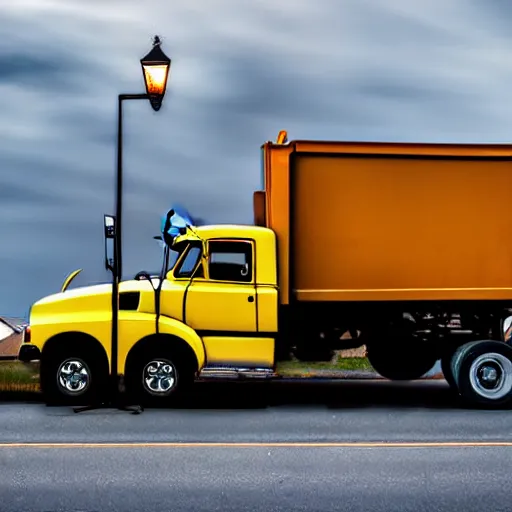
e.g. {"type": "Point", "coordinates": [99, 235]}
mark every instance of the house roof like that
{"type": "Point", "coordinates": [16, 324]}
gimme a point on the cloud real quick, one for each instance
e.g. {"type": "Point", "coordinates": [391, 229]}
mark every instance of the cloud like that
{"type": "Point", "coordinates": [427, 70]}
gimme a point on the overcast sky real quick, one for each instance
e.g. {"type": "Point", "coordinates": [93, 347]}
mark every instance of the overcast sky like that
{"type": "Point", "coordinates": [410, 70]}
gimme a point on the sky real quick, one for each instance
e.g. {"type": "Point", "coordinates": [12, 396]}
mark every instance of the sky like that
{"type": "Point", "coordinates": [388, 70]}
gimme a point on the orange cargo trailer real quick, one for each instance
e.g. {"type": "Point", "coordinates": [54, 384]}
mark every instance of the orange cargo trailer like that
{"type": "Point", "coordinates": [385, 222]}
{"type": "Point", "coordinates": [404, 246]}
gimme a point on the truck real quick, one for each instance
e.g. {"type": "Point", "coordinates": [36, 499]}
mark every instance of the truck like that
{"type": "Point", "coordinates": [402, 248]}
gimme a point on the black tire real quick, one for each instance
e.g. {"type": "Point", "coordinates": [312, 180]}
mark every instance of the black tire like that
{"type": "Point", "coordinates": [456, 360]}
{"type": "Point", "coordinates": [446, 368]}
{"type": "Point", "coordinates": [80, 361]}
{"type": "Point", "coordinates": [469, 364]}
{"type": "Point", "coordinates": [395, 363]}
{"type": "Point", "coordinates": [179, 378]}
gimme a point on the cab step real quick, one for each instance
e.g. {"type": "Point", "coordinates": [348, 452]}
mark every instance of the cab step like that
{"type": "Point", "coordinates": [230, 372]}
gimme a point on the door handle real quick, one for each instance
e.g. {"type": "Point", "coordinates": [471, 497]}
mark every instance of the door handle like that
{"type": "Point", "coordinates": [250, 298]}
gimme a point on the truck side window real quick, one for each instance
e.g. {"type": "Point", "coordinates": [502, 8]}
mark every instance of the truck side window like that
{"type": "Point", "coordinates": [230, 261]}
{"type": "Point", "coordinates": [189, 263]}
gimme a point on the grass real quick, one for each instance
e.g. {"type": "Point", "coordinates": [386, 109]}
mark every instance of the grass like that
{"type": "Point", "coordinates": [359, 364]}
{"type": "Point", "coordinates": [18, 376]}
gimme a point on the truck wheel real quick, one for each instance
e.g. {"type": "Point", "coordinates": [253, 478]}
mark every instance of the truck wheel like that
{"type": "Point", "coordinates": [483, 373]}
{"type": "Point", "coordinates": [446, 368]}
{"type": "Point", "coordinates": [157, 378]}
{"type": "Point", "coordinates": [400, 363]}
{"type": "Point", "coordinates": [72, 377]}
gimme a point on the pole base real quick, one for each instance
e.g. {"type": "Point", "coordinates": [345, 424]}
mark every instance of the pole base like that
{"type": "Point", "coordinates": [133, 409]}
{"type": "Point", "coordinates": [114, 401]}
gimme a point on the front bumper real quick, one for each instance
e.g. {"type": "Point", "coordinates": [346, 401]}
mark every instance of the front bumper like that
{"type": "Point", "coordinates": [29, 353]}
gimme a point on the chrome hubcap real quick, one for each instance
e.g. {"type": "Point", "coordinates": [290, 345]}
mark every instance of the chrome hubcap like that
{"type": "Point", "coordinates": [159, 377]}
{"type": "Point", "coordinates": [73, 376]}
{"type": "Point", "coordinates": [491, 376]}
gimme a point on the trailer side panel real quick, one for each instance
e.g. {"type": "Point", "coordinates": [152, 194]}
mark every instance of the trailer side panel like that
{"type": "Point", "coordinates": [400, 227]}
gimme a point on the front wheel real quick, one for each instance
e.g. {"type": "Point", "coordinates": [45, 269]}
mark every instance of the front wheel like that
{"type": "Point", "coordinates": [483, 373]}
{"type": "Point", "coordinates": [157, 378]}
{"type": "Point", "coordinates": [73, 377]}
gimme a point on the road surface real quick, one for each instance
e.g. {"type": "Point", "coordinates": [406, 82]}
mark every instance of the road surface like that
{"type": "Point", "coordinates": [348, 446]}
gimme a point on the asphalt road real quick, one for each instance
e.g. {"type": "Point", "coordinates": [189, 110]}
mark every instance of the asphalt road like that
{"type": "Point", "coordinates": [343, 446]}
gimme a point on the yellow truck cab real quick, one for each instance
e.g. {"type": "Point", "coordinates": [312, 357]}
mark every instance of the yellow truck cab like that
{"type": "Point", "coordinates": [403, 249]}
{"type": "Point", "coordinates": [218, 316]}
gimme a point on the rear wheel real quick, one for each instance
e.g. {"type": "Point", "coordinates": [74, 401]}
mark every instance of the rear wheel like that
{"type": "Point", "coordinates": [397, 362]}
{"type": "Point", "coordinates": [158, 378]}
{"type": "Point", "coordinates": [483, 373]}
{"type": "Point", "coordinates": [73, 376]}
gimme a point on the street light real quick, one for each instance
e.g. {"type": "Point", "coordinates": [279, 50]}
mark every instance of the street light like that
{"type": "Point", "coordinates": [155, 69]}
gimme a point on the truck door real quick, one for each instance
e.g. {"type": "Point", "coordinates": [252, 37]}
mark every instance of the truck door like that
{"type": "Point", "coordinates": [222, 307]}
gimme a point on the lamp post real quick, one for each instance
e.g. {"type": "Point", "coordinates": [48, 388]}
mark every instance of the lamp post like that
{"type": "Point", "coordinates": [155, 69]}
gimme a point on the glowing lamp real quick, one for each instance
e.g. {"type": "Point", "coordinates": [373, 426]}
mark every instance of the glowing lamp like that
{"type": "Point", "coordinates": [155, 68]}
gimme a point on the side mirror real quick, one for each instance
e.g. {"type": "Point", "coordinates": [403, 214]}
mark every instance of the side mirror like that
{"type": "Point", "coordinates": [110, 241]}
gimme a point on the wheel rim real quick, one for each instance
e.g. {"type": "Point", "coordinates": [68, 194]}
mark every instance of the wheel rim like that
{"type": "Point", "coordinates": [491, 376]}
{"type": "Point", "coordinates": [73, 376]}
{"type": "Point", "coordinates": [159, 377]}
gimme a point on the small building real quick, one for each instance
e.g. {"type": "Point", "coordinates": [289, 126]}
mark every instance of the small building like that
{"type": "Point", "coordinates": [11, 336]}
